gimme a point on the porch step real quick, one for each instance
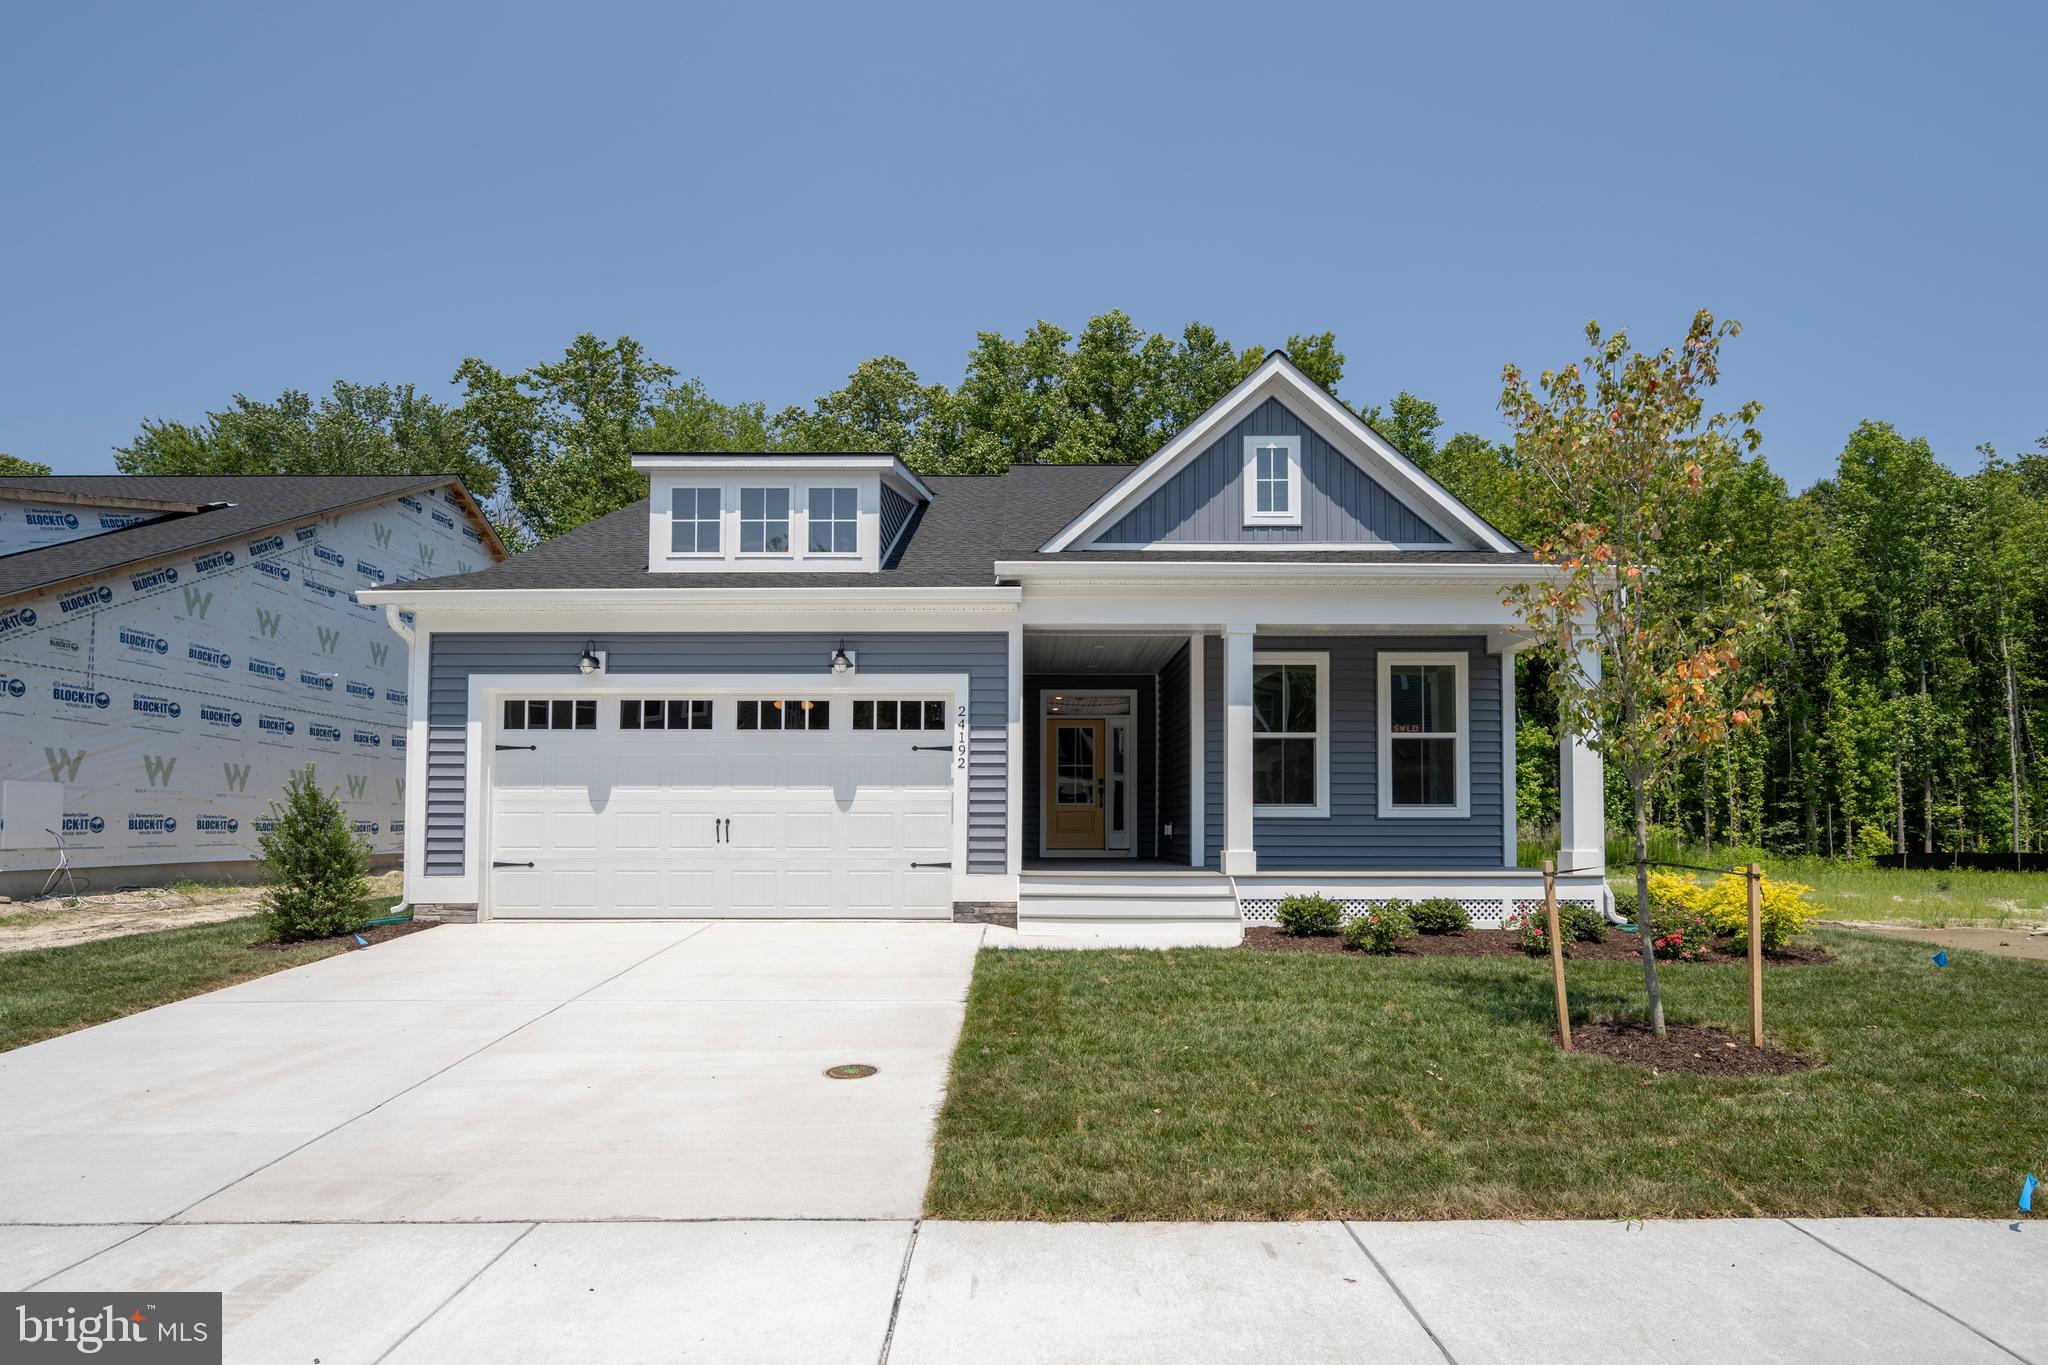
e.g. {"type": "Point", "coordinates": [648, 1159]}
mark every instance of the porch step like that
{"type": "Point", "coordinates": [1176, 907]}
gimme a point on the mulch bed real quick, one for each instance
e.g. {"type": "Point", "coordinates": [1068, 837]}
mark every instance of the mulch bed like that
{"type": "Point", "coordinates": [1686, 1047]}
{"type": "Point", "coordinates": [1618, 947]}
{"type": "Point", "coordinates": [377, 935]}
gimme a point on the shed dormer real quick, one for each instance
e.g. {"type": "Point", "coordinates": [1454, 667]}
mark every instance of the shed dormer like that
{"type": "Point", "coordinates": [763, 513]}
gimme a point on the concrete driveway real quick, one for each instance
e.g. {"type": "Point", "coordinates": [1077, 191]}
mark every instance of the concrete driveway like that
{"type": "Point", "coordinates": [509, 1072]}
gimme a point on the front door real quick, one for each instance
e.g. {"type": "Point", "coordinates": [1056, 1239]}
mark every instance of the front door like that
{"type": "Point", "coordinates": [1074, 794]}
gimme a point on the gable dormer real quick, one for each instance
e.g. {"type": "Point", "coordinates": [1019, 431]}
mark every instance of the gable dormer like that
{"type": "Point", "coordinates": [1278, 464]}
{"type": "Point", "coordinates": [762, 513]}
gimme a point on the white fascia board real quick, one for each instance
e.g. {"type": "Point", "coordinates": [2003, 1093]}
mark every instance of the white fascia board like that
{"type": "Point", "coordinates": [671, 600]}
{"type": "Point", "coordinates": [1274, 376]}
{"type": "Point", "coordinates": [890, 464]}
{"type": "Point", "coordinates": [1081, 570]}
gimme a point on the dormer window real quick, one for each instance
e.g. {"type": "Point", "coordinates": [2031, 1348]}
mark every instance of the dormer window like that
{"type": "Point", "coordinates": [1272, 481]}
{"type": "Point", "coordinates": [835, 521]}
{"type": "Point", "coordinates": [764, 521]}
{"type": "Point", "coordinates": [693, 521]}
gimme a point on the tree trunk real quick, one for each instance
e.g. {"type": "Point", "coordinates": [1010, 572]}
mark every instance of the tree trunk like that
{"type": "Point", "coordinates": [1644, 934]}
{"type": "Point", "coordinates": [1898, 799]}
{"type": "Point", "coordinates": [1734, 794]}
{"type": "Point", "coordinates": [2012, 741]}
{"type": "Point", "coordinates": [1707, 802]}
{"type": "Point", "coordinates": [1926, 781]}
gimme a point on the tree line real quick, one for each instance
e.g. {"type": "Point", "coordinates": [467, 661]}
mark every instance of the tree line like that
{"type": "Point", "coordinates": [1905, 677]}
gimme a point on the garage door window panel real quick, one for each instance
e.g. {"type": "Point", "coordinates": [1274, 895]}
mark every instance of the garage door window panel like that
{"type": "Point", "coordinates": [665, 713]}
{"type": "Point", "coordinates": [784, 714]}
{"type": "Point", "coordinates": [889, 713]}
{"type": "Point", "coordinates": [550, 713]}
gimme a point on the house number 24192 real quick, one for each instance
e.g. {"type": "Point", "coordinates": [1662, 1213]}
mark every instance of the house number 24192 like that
{"type": "Point", "coordinates": [960, 737]}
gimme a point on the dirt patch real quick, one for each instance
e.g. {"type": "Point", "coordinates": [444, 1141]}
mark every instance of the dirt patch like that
{"type": "Point", "coordinates": [2027, 944]}
{"type": "Point", "coordinates": [1618, 947]}
{"type": "Point", "coordinates": [1686, 1047]}
{"type": "Point", "coordinates": [376, 935]}
{"type": "Point", "coordinates": [59, 921]}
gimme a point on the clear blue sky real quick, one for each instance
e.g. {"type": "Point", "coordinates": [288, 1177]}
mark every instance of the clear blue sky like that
{"type": "Point", "coordinates": [259, 197]}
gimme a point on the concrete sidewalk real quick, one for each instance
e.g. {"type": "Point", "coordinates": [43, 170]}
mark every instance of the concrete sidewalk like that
{"type": "Point", "coordinates": [900, 1292]}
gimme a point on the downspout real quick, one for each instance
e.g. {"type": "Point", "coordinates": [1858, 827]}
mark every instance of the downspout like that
{"type": "Point", "coordinates": [392, 617]}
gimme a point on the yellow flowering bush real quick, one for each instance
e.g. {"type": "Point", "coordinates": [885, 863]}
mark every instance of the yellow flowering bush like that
{"type": "Point", "coordinates": [1785, 912]}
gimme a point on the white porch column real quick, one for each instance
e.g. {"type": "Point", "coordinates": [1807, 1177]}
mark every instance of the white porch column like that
{"type": "Point", "coordinates": [1198, 744]}
{"type": "Point", "coordinates": [1239, 858]}
{"type": "Point", "coordinates": [1581, 796]}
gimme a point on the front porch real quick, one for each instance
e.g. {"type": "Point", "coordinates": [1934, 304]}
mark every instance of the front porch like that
{"type": "Point", "coordinates": [1177, 784]}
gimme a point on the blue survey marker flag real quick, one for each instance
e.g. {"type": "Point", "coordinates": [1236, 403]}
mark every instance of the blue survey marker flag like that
{"type": "Point", "coordinates": [2027, 1193]}
{"type": "Point", "coordinates": [1941, 958]}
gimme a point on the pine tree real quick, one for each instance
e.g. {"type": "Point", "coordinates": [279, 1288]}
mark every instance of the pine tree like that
{"type": "Point", "coordinates": [317, 865]}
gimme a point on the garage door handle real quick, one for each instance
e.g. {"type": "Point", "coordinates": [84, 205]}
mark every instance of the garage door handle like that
{"type": "Point", "coordinates": [503, 747]}
{"type": "Point", "coordinates": [498, 864]}
{"type": "Point", "coordinates": [931, 864]}
{"type": "Point", "coordinates": [931, 748]}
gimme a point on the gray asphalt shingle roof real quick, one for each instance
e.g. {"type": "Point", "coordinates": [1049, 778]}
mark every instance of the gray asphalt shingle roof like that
{"type": "Point", "coordinates": [955, 540]}
{"type": "Point", "coordinates": [251, 503]}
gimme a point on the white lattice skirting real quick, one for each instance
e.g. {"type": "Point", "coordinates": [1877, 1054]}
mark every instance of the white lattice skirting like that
{"type": "Point", "coordinates": [1487, 912]}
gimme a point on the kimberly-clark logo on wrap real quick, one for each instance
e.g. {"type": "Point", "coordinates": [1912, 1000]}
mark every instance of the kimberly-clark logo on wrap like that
{"type": "Point", "coordinates": [367, 738]}
{"type": "Point", "coordinates": [324, 681]}
{"type": "Point", "coordinates": [69, 695]}
{"type": "Point", "coordinates": [263, 824]}
{"type": "Point", "coordinates": [153, 578]}
{"type": "Point", "coordinates": [302, 534]}
{"type": "Point", "coordinates": [323, 589]}
{"type": "Point", "coordinates": [263, 668]}
{"type": "Point", "coordinates": [119, 521]}
{"type": "Point", "coordinates": [217, 824]}
{"type": "Point", "coordinates": [411, 504]}
{"type": "Point", "coordinates": [43, 519]}
{"type": "Point", "coordinates": [398, 741]}
{"type": "Point", "coordinates": [144, 641]}
{"type": "Point", "coordinates": [365, 826]}
{"type": "Point", "coordinates": [162, 708]}
{"type": "Point", "coordinates": [369, 571]}
{"type": "Point", "coordinates": [85, 599]}
{"type": "Point", "coordinates": [367, 691]}
{"type": "Point", "coordinates": [19, 619]}
{"type": "Point", "coordinates": [322, 730]}
{"type": "Point", "coordinates": [84, 822]}
{"type": "Point", "coordinates": [266, 545]}
{"type": "Point", "coordinates": [395, 695]}
{"type": "Point", "coordinates": [275, 570]}
{"type": "Point", "coordinates": [276, 725]}
{"type": "Point", "coordinates": [327, 556]}
{"type": "Point", "coordinates": [207, 654]}
{"type": "Point", "coordinates": [219, 559]}
{"type": "Point", "coordinates": [442, 519]}
{"type": "Point", "coordinates": [221, 715]}
{"type": "Point", "coordinates": [142, 823]}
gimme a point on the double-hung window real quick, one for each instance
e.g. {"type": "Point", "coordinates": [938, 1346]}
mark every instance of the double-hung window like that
{"type": "Point", "coordinates": [764, 521]}
{"type": "Point", "coordinates": [835, 521]}
{"type": "Point", "coordinates": [1272, 481]}
{"type": "Point", "coordinates": [1424, 762]}
{"type": "Point", "coordinates": [693, 521]}
{"type": "Point", "coordinates": [1291, 734]}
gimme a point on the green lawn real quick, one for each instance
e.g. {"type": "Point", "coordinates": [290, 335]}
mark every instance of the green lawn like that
{"type": "Point", "coordinates": [48, 991]}
{"type": "Point", "coordinates": [1204, 1083]}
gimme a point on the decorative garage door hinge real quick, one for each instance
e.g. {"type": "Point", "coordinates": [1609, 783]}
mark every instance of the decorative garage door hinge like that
{"type": "Point", "coordinates": [931, 748]}
{"type": "Point", "coordinates": [499, 864]}
{"type": "Point", "coordinates": [502, 747]}
{"type": "Point", "coordinates": [931, 864]}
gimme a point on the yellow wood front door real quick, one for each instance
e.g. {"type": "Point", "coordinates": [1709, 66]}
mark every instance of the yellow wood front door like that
{"type": "Point", "coordinates": [1072, 758]}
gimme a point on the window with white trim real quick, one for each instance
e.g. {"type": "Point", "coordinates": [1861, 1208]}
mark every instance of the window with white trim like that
{"type": "Point", "coordinates": [887, 714]}
{"type": "Point", "coordinates": [1425, 728]}
{"type": "Point", "coordinates": [693, 521]}
{"type": "Point", "coordinates": [784, 714]}
{"type": "Point", "coordinates": [764, 521]}
{"type": "Point", "coordinates": [1272, 481]}
{"type": "Point", "coordinates": [665, 713]}
{"type": "Point", "coordinates": [835, 521]}
{"type": "Point", "coordinates": [550, 713]}
{"type": "Point", "coordinates": [1291, 734]}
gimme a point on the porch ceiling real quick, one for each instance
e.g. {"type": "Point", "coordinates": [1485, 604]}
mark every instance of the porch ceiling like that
{"type": "Point", "coordinates": [1097, 652]}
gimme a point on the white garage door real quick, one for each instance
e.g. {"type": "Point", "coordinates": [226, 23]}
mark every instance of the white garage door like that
{"type": "Point", "coordinates": [708, 818]}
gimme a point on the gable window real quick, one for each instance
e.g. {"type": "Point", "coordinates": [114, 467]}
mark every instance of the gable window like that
{"type": "Point", "coordinates": [1425, 735]}
{"type": "Point", "coordinates": [764, 521]}
{"type": "Point", "coordinates": [1272, 481]}
{"type": "Point", "coordinates": [693, 521]}
{"type": "Point", "coordinates": [1291, 734]}
{"type": "Point", "coordinates": [558, 713]}
{"type": "Point", "coordinates": [835, 521]}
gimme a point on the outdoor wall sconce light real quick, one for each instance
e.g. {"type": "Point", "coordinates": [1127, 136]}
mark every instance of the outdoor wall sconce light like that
{"type": "Point", "coordinates": [592, 660]}
{"type": "Point", "coordinates": [842, 662]}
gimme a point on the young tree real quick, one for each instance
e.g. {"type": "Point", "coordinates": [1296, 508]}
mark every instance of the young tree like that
{"type": "Point", "coordinates": [1616, 447]}
{"type": "Point", "coordinates": [318, 866]}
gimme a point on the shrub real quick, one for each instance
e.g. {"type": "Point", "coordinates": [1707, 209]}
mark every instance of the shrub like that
{"type": "Point", "coordinates": [1581, 924]}
{"type": "Point", "coordinates": [1672, 893]}
{"type": "Point", "coordinates": [1682, 934]}
{"type": "Point", "coordinates": [1439, 915]}
{"type": "Point", "coordinates": [318, 868]}
{"type": "Point", "coordinates": [1534, 928]}
{"type": "Point", "coordinates": [1310, 915]}
{"type": "Point", "coordinates": [1376, 930]}
{"type": "Point", "coordinates": [1785, 912]}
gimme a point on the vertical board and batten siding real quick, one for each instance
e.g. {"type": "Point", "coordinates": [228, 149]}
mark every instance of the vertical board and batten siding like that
{"type": "Point", "coordinates": [1173, 756]}
{"type": "Point", "coordinates": [1144, 734]}
{"type": "Point", "coordinates": [1353, 835]}
{"type": "Point", "coordinates": [984, 656]}
{"type": "Point", "coordinates": [1204, 503]}
{"type": "Point", "coordinates": [896, 510]}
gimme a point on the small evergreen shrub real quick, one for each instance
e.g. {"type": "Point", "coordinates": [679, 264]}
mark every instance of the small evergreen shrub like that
{"type": "Point", "coordinates": [1309, 915]}
{"type": "Point", "coordinates": [1785, 912]}
{"type": "Point", "coordinates": [1439, 915]}
{"type": "Point", "coordinates": [318, 867]}
{"type": "Point", "coordinates": [1379, 927]}
{"type": "Point", "coordinates": [1581, 924]}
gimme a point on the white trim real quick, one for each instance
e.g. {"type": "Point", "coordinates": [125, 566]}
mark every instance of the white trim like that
{"type": "Point", "coordinates": [1291, 481]}
{"type": "Point", "coordinates": [1174, 547]}
{"type": "Point", "coordinates": [417, 679]}
{"type": "Point", "coordinates": [485, 689]}
{"type": "Point", "coordinates": [1461, 663]}
{"type": "Point", "coordinates": [1198, 756]}
{"type": "Point", "coordinates": [1013, 760]}
{"type": "Point", "coordinates": [1079, 566]}
{"type": "Point", "coordinates": [1510, 823]}
{"type": "Point", "coordinates": [1130, 784]}
{"type": "Point", "coordinates": [665, 601]}
{"type": "Point", "coordinates": [684, 461]}
{"type": "Point", "coordinates": [1320, 659]}
{"type": "Point", "coordinates": [1240, 852]}
{"type": "Point", "coordinates": [1274, 376]}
